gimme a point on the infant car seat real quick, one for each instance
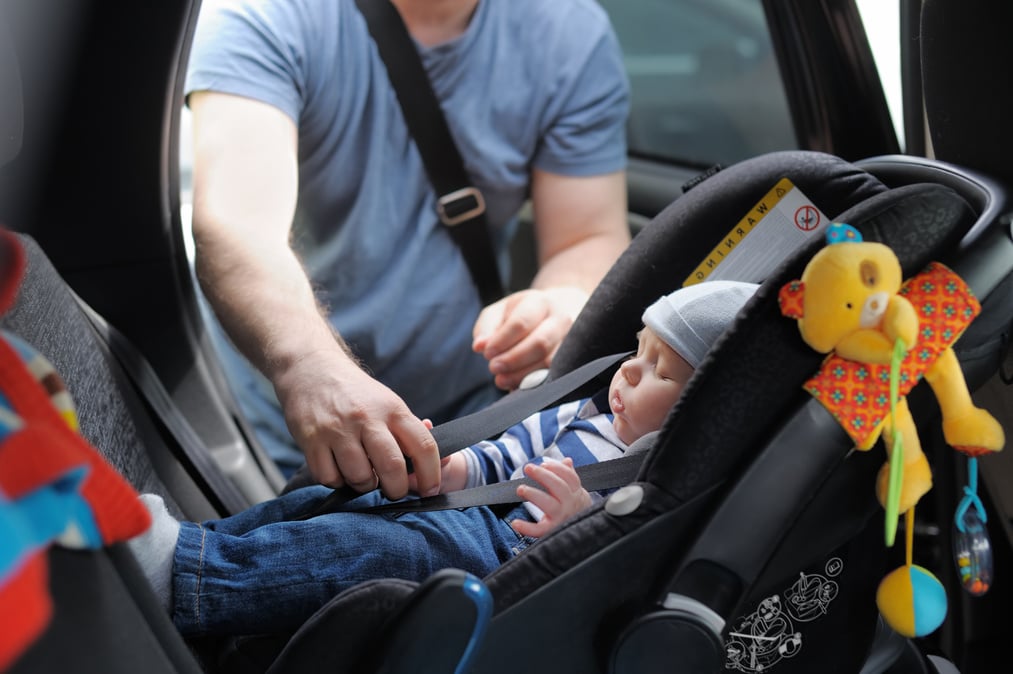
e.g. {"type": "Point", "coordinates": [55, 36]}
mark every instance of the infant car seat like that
{"type": "Point", "coordinates": [751, 539]}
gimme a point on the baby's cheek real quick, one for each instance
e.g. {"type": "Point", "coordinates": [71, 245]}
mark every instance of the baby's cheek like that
{"type": "Point", "coordinates": [664, 401]}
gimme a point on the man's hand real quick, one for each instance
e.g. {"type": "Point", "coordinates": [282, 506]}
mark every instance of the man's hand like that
{"type": "Point", "coordinates": [520, 333]}
{"type": "Point", "coordinates": [453, 471]}
{"type": "Point", "coordinates": [562, 499]}
{"type": "Point", "coordinates": [353, 429]}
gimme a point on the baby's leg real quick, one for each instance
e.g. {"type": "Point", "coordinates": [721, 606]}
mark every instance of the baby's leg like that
{"type": "Point", "coordinates": [154, 549]}
{"type": "Point", "coordinates": [274, 577]}
{"type": "Point", "coordinates": [281, 509]}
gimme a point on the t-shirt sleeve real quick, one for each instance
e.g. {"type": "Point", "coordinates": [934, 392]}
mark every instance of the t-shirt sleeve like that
{"type": "Point", "coordinates": [255, 49]}
{"type": "Point", "coordinates": [585, 128]}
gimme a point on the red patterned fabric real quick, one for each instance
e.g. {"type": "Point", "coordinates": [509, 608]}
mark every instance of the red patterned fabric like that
{"type": "Point", "coordinates": [46, 447]}
{"type": "Point", "coordinates": [39, 447]}
{"type": "Point", "coordinates": [791, 299]}
{"type": "Point", "coordinates": [858, 394]}
{"type": "Point", "coordinates": [25, 608]}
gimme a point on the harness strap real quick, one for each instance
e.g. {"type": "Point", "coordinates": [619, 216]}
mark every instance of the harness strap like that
{"type": "Point", "coordinates": [516, 407]}
{"type": "Point", "coordinates": [593, 477]}
{"type": "Point", "coordinates": [489, 422]}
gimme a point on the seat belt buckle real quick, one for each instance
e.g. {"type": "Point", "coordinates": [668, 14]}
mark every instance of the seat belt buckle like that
{"type": "Point", "coordinates": [460, 206]}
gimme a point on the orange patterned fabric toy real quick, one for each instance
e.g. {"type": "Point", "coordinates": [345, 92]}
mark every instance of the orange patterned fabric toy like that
{"type": "Point", "coordinates": [882, 338]}
{"type": "Point", "coordinates": [850, 304]}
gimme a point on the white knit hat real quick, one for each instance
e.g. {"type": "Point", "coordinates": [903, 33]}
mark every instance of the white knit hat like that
{"type": "Point", "coordinates": [691, 319]}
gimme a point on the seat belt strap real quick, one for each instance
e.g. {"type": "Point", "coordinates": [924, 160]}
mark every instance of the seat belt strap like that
{"type": "Point", "coordinates": [460, 205]}
{"type": "Point", "coordinates": [183, 440]}
{"type": "Point", "coordinates": [593, 477]}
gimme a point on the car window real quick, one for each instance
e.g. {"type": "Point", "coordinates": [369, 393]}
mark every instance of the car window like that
{"type": "Point", "coordinates": [704, 80]}
{"type": "Point", "coordinates": [881, 19]}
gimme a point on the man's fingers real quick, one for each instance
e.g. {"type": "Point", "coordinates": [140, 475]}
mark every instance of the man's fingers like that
{"type": "Point", "coordinates": [324, 468]}
{"type": "Point", "coordinates": [522, 315]}
{"type": "Point", "coordinates": [417, 443]}
{"type": "Point", "coordinates": [487, 322]}
{"type": "Point", "coordinates": [385, 460]}
{"type": "Point", "coordinates": [533, 353]}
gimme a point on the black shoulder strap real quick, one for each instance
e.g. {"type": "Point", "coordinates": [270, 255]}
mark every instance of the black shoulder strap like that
{"type": "Point", "coordinates": [593, 477]}
{"type": "Point", "coordinates": [460, 204]}
{"type": "Point", "coordinates": [602, 476]}
{"type": "Point", "coordinates": [519, 405]}
{"type": "Point", "coordinates": [489, 422]}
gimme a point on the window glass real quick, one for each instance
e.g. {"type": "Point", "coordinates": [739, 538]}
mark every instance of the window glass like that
{"type": "Point", "coordinates": [705, 83]}
{"type": "Point", "coordinates": [881, 19]}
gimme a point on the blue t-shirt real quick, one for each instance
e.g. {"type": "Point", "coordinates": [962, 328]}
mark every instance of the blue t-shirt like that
{"type": "Point", "coordinates": [531, 83]}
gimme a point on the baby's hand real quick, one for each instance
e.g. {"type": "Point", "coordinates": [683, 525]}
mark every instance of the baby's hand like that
{"type": "Point", "coordinates": [562, 499]}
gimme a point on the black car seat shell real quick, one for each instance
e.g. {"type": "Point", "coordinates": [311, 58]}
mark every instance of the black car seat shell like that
{"type": "Point", "coordinates": [753, 381]}
{"type": "Point", "coordinates": [729, 507]}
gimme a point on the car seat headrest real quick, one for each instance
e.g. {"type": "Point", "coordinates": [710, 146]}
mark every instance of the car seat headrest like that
{"type": "Point", "coordinates": [669, 249]}
{"type": "Point", "coordinates": [643, 443]}
{"type": "Point", "coordinates": [752, 379]}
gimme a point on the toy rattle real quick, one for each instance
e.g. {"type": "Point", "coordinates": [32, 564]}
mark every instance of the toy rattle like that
{"type": "Point", "coordinates": [881, 338]}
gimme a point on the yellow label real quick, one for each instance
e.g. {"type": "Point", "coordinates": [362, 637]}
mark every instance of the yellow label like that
{"type": "Point", "coordinates": [792, 218]}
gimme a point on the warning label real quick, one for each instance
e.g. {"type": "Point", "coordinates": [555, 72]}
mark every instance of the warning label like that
{"type": "Point", "coordinates": [786, 219]}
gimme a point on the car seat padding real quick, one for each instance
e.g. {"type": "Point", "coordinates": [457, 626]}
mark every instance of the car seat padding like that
{"type": "Point", "coordinates": [668, 249]}
{"type": "Point", "coordinates": [755, 375]}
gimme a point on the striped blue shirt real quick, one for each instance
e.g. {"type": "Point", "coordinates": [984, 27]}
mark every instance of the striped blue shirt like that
{"type": "Point", "coordinates": [579, 430]}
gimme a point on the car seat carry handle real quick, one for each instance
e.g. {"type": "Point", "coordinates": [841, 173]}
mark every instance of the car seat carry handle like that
{"type": "Point", "coordinates": [442, 625]}
{"type": "Point", "coordinates": [383, 626]}
{"type": "Point", "coordinates": [740, 538]}
{"type": "Point", "coordinates": [491, 421]}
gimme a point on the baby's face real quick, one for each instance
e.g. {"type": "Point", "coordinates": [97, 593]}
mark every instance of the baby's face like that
{"type": "Point", "coordinates": [646, 387]}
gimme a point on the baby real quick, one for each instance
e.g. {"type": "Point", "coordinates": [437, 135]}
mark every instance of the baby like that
{"type": "Point", "coordinates": [267, 570]}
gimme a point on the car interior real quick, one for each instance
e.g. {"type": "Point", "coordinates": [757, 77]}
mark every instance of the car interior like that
{"type": "Point", "coordinates": [749, 539]}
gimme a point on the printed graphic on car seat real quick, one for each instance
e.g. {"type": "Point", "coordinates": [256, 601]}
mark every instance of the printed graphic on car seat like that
{"type": "Point", "coordinates": [770, 634]}
{"type": "Point", "coordinates": [787, 219]}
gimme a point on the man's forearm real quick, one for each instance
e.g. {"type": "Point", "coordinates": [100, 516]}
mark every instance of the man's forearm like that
{"type": "Point", "coordinates": [583, 264]}
{"type": "Point", "coordinates": [265, 303]}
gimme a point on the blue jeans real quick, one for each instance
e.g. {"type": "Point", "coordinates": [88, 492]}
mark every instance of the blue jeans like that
{"type": "Point", "coordinates": [261, 572]}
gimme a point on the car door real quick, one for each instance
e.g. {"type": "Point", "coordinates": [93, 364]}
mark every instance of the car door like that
{"type": "Point", "coordinates": [717, 81]}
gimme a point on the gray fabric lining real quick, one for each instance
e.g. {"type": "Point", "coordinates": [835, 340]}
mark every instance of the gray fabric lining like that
{"type": "Point", "coordinates": [47, 316]}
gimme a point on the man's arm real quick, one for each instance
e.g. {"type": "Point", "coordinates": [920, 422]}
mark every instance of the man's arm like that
{"type": "Point", "coordinates": [580, 229]}
{"type": "Point", "coordinates": [352, 429]}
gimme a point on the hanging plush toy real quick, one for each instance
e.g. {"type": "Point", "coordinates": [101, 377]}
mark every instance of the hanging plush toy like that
{"type": "Point", "coordinates": [882, 338]}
